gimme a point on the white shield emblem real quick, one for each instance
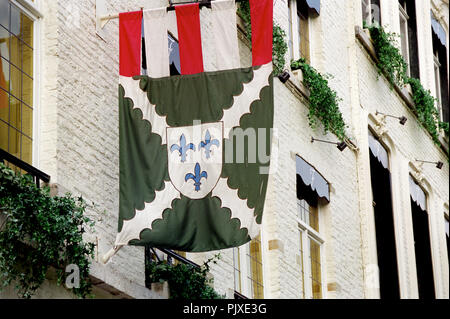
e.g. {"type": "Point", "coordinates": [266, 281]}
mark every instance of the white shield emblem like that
{"type": "Point", "coordinates": [195, 158]}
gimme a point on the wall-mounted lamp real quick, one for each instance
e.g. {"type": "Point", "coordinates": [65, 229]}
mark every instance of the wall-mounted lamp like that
{"type": "Point", "coordinates": [284, 76]}
{"type": "Point", "coordinates": [438, 164]}
{"type": "Point", "coordinates": [341, 146]}
{"type": "Point", "coordinates": [402, 119]}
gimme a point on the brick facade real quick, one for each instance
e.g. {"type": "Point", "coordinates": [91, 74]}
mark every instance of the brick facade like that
{"type": "Point", "coordinates": [79, 147]}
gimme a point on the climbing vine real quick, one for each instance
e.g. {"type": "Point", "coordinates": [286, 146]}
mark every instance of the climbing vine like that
{"type": "Point", "coordinates": [280, 47]}
{"type": "Point", "coordinates": [185, 281]}
{"type": "Point", "coordinates": [323, 101]}
{"type": "Point", "coordinates": [390, 60]}
{"type": "Point", "coordinates": [37, 232]}
{"type": "Point", "coordinates": [392, 64]}
{"type": "Point", "coordinates": [427, 113]}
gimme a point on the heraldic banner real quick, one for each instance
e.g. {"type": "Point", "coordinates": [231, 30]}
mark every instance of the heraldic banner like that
{"type": "Point", "coordinates": [195, 147]}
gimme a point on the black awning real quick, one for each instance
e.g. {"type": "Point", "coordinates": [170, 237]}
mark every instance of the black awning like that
{"type": "Point", "coordinates": [314, 5]}
{"type": "Point", "coordinates": [438, 30]}
{"type": "Point", "coordinates": [417, 194]}
{"type": "Point", "coordinates": [378, 151]}
{"type": "Point", "coordinates": [311, 185]}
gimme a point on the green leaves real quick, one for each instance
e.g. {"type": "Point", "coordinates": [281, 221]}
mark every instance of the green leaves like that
{"type": "Point", "coordinates": [427, 113]}
{"type": "Point", "coordinates": [323, 101]}
{"type": "Point", "coordinates": [185, 281]}
{"type": "Point", "coordinates": [40, 232]}
{"type": "Point", "coordinates": [391, 62]}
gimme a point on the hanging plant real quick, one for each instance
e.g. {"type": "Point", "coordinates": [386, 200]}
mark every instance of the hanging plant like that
{"type": "Point", "coordinates": [392, 64]}
{"type": "Point", "coordinates": [280, 47]}
{"type": "Point", "coordinates": [323, 101]}
{"type": "Point", "coordinates": [390, 60]}
{"type": "Point", "coordinates": [185, 281]}
{"type": "Point", "coordinates": [38, 232]}
{"type": "Point", "coordinates": [427, 113]}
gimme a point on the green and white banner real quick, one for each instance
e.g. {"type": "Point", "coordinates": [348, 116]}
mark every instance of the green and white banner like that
{"type": "Point", "coordinates": [194, 156]}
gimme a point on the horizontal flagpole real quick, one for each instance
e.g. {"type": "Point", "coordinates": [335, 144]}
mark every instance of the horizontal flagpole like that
{"type": "Point", "coordinates": [170, 8]}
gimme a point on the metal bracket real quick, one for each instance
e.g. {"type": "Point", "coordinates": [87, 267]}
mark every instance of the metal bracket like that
{"type": "Point", "coordinates": [101, 11]}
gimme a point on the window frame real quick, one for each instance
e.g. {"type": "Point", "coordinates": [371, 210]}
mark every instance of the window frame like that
{"type": "Point", "coordinates": [438, 84]}
{"type": "Point", "coordinates": [404, 35]}
{"type": "Point", "coordinates": [31, 10]}
{"type": "Point", "coordinates": [368, 13]}
{"type": "Point", "coordinates": [242, 266]}
{"type": "Point", "coordinates": [294, 32]}
{"type": "Point", "coordinates": [307, 233]}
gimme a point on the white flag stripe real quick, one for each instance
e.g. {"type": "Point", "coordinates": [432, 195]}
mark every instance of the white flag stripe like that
{"type": "Point", "coordinates": [224, 29]}
{"type": "Point", "coordinates": [242, 103]}
{"type": "Point", "coordinates": [156, 42]}
{"type": "Point", "coordinates": [238, 207]}
{"type": "Point", "coordinates": [140, 101]}
{"type": "Point", "coordinates": [144, 218]}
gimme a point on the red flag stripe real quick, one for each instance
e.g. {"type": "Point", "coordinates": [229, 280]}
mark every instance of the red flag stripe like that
{"type": "Point", "coordinates": [261, 12]}
{"type": "Point", "coordinates": [190, 39]}
{"type": "Point", "coordinates": [130, 28]}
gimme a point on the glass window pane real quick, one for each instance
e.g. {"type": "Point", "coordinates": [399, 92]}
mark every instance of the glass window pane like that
{"type": "Point", "coordinates": [255, 271]}
{"type": "Point", "coordinates": [4, 43]}
{"type": "Point", "coordinates": [304, 37]}
{"type": "Point", "coordinates": [15, 114]}
{"type": "Point", "coordinates": [4, 105]}
{"type": "Point", "coordinates": [3, 136]}
{"type": "Point", "coordinates": [15, 21]}
{"type": "Point", "coordinates": [27, 60]}
{"type": "Point", "coordinates": [316, 276]}
{"type": "Point", "coordinates": [314, 218]}
{"type": "Point", "coordinates": [27, 121]}
{"type": "Point", "coordinates": [27, 148]}
{"type": "Point", "coordinates": [14, 142]}
{"type": "Point", "coordinates": [27, 90]}
{"type": "Point", "coordinates": [26, 29]}
{"type": "Point", "coordinates": [4, 74]}
{"type": "Point", "coordinates": [4, 13]}
{"type": "Point", "coordinates": [15, 52]}
{"type": "Point", "coordinates": [15, 84]}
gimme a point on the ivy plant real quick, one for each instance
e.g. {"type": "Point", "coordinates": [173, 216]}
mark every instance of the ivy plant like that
{"type": "Point", "coordinates": [390, 60]}
{"type": "Point", "coordinates": [39, 231]}
{"type": "Point", "coordinates": [280, 47]}
{"type": "Point", "coordinates": [392, 64]}
{"type": "Point", "coordinates": [185, 281]}
{"type": "Point", "coordinates": [427, 113]}
{"type": "Point", "coordinates": [323, 101]}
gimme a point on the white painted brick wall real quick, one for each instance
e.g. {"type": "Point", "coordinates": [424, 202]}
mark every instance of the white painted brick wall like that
{"type": "Point", "coordinates": [79, 146]}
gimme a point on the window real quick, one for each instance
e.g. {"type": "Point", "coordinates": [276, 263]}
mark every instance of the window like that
{"type": "Point", "coordinates": [384, 220]}
{"type": "Point", "coordinates": [408, 35]}
{"type": "Point", "coordinates": [437, 81]}
{"type": "Point", "coordinates": [371, 13]}
{"type": "Point", "coordinates": [16, 81]}
{"type": "Point", "coordinates": [310, 254]}
{"type": "Point", "coordinates": [299, 30]}
{"type": "Point", "coordinates": [248, 269]}
{"type": "Point", "coordinates": [422, 241]}
{"type": "Point", "coordinates": [404, 32]}
{"type": "Point", "coordinates": [440, 68]}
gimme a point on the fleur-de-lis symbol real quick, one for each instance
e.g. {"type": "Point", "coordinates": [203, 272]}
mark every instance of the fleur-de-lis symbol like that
{"type": "Point", "coordinates": [208, 143]}
{"type": "Point", "coordinates": [182, 148]}
{"type": "Point", "coordinates": [197, 177]}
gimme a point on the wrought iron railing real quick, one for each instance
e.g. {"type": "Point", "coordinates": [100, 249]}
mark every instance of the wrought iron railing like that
{"type": "Point", "coordinates": [37, 175]}
{"type": "Point", "coordinates": [169, 256]}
